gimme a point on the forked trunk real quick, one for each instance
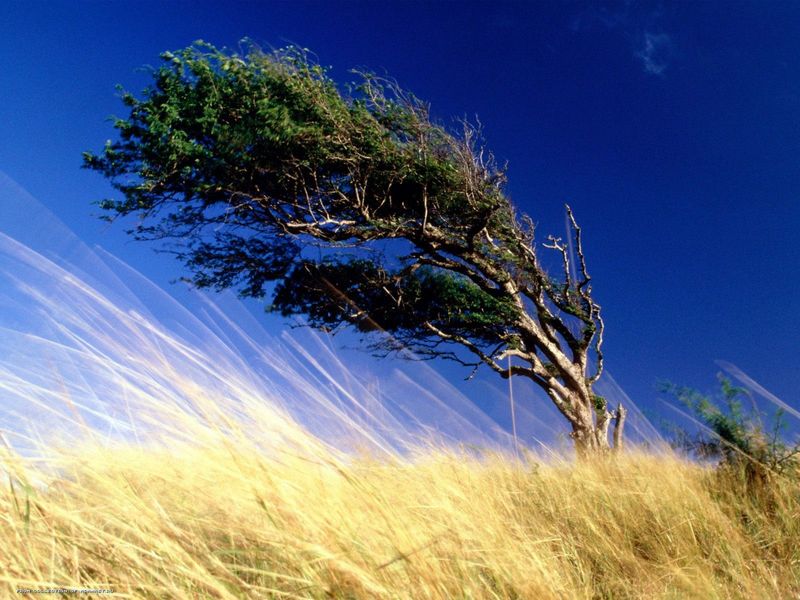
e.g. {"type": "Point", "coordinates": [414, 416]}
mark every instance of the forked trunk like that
{"type": "Point", "coordinates": [590, 426]}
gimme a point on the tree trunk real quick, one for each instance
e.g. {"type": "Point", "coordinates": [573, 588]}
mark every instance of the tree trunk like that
{"type": "Point", "coordinates": [590, 426]}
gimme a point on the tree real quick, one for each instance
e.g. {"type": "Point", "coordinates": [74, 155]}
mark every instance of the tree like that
{"type": "Point", "coordinates": [355, 209]}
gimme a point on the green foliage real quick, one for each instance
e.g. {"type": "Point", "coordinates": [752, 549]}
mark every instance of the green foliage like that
{"type": "Point", "coordinates": [270, 125]}
{"type": "Point", "coordinates": [736, 435]}
{"type": "Point", "coordinates": [334, 292]}
{"type": "Point", "coordinates": [248, 159]}
{"type": "Point", "coordinates": [353, 209]}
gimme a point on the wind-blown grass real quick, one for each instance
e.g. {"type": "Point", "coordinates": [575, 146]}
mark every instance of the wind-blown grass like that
{"type": "Point", "coordinates": [225, 521]}
{"type": "Point", "coordinates": [166, 466]}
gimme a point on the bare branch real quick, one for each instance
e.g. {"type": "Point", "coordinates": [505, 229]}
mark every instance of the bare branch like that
{"type": "Point", "coordinates": [579, 249]}
{"type": "Point", "coordinates": [467, 344]}
{"type": "Point", "coordinates": [599, 358]}
{"type": "Point", "coordinates": [555, 244]}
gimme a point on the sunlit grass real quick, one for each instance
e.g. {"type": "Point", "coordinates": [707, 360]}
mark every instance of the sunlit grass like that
{"type": "Point", "coordinates": [146, 463]}
{"type": "Point", "coordinates": [225, 520]}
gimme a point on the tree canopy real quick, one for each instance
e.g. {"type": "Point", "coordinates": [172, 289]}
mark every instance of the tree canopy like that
{"type": "Point", "coordinates": [257, 169]}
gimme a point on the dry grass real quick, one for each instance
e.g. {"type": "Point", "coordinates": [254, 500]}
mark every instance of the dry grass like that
{"type": "Point", "coordinates": [181, 474]}
{"type": "Point", "coordinates": [225, 521]}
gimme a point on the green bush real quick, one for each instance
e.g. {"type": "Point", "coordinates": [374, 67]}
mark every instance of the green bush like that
{"type": "Point", "coordinates": [734, 435]}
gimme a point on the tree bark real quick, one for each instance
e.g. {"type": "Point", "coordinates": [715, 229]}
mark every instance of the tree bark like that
{"type": "Point", "coordinates": [591, 424]}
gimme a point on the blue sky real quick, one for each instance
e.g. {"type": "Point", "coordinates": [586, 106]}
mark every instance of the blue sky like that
{"type": "Point", "coordinates": [673, 130]}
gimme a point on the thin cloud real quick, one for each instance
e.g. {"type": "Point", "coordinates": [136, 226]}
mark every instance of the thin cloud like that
{"type": "Point", "coordinates": [652, 48]}
{"type": "Point", "coordinates": [655, 52]}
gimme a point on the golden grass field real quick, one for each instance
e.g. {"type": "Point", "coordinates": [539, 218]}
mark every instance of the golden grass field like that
{"type": "Point", "coordinates": [222, 521]}
{"type": "Point", "coordinates": [192, 479]}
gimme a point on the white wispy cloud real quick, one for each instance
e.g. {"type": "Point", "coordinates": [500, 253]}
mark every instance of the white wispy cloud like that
{"type": "Point", "coordinates": [653, 48]}
{"type": "Point", "coordinates": [654, 52]}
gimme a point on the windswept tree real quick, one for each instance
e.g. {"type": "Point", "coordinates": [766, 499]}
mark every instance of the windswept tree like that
{"type": "Point", "coordinates": [356, 209]}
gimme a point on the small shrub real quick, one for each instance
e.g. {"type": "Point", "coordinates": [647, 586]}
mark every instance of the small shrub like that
{"type": "Point", "coordinates": [735, 435]}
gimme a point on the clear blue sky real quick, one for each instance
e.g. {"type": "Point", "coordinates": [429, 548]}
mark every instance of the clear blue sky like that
{"type": "Point", "coordinates": [673, 130]}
